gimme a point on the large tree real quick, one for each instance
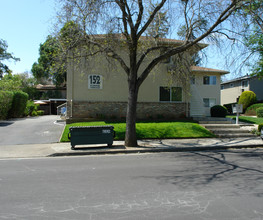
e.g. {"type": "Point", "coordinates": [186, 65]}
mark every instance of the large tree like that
{"type": "Point", "coordinates": [132, 20]}
{"type": "Point", "coordinates": [245, 33]}
{"type": "Point", "coordinates": [4, 55]}
{"type": "Point", "coordinates": [52, 59]}
{"type": "Point", "coordinates": [50, 65]}
{"type": "Point", "coordinates": [253, 39]}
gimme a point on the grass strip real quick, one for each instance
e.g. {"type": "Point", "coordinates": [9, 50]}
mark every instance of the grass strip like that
{"type": "Point", "coordinates": [152, 130]}
{"type": "Point", "coordinates": [248, 119]}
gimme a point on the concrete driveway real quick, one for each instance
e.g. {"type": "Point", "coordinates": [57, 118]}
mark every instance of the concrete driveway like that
{"type": "Point", "coordinates": [34, 130]}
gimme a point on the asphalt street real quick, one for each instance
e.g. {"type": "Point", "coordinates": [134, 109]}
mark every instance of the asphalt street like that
{"type": "Point", "coordinates": [33, 130]}
{"type": "Point", "coordinates": [219, 185]}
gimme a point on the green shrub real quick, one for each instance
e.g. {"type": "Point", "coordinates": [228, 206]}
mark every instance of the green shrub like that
{"type": "Point", "coordinates": [40, 112]}
{"type": "Point", "coordinates": [34, 113]}
{"type": "Point", "coordinates": [251, 110]}
{"type": "Point", "coordinates": [6, 98]}
{"type": "Point", "coordinates": [218, 111]}
{"type": "Point", "coordinates": [259, 112]}
{"type": "Point", "coordinates": [247, 99]}
{"type": "Point", "coordinates": [260, 126]}
{"type": "Point", "coordinates": [18, 104]}
{"type": "Point", "coordinates": [30, 107]}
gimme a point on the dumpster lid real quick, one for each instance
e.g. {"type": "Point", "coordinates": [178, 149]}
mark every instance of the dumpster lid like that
{"type": "Point", "coordinates": [90, 127]}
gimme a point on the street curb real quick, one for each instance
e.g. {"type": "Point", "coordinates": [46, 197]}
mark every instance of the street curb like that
{"type": "Point", "coordinates": [152, 150]}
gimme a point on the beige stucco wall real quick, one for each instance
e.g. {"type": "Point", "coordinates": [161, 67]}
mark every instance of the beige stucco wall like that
{"type": "Point", "coordinates": [114, 85]}
{"type": "Point", "coordinates": [231, 94]}
{"type": "Point", "coordinates": [199, 91]}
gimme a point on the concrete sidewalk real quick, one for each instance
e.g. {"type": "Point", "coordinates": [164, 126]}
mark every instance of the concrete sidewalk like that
{"type": "Point", "coordinates": [145, 146]}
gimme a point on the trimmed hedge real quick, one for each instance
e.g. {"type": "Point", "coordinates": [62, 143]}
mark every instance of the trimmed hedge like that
{"type": "Point", "coordinates": [18, 104]}
{"type": "Point", "coordinates": [259, 112]}
{"type": "Point", "coordinates": [6, 98]}
{"type": "Point", "coordinates": [218, 111]}
{"type": "Point", "coordinates": [251, 110]}
{"type": "Point", "coordinates": [247, 99]}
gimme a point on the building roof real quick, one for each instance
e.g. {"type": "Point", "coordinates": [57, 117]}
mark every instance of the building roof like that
{"type": "Point", "coordinates": [208, 70]}
{"type": "Point", "coordinates": [238, 79]}
{"type": "Point", "coordinates": [48, 87]}
{"type": "Point", "coordinates": [146, 38]}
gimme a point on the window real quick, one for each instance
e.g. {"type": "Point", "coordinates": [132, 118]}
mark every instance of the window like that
{"type": "Point", "coordinates": [231, 85]}
{"type": "Point", "coordinates": [95, 82]}
{"type": "Point", "coordinates": [209, 80]}
{"type": "Point", "coordinates": [209, 102]}
{"type": "Point", "coordinates": [171, 94]}
{"type": "Point", "coordinates": [167, 60]}
{"type": "Point", "coordinates": [222, 87]}
{"type": "Point", "coordinates": [244, 83]}
{"type": "Point", "coordinates": [192, 79]}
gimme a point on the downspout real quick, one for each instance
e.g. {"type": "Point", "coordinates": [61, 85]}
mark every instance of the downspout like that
{"type": "Point", "coordinates": [72, 88]}
{"type": "Point", "coordinates": [72, 85]}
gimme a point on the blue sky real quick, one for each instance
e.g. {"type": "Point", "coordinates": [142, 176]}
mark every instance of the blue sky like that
{"type": "Point", "coordinates": [24, 25]}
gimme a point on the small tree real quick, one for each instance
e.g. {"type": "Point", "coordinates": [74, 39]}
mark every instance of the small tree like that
{"type": "Point", "coordinates": [247, 98]}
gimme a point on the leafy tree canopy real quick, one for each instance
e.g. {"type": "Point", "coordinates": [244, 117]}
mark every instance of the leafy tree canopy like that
{"type": "Point", "coordinates": [51, 65]}
{"type": "Point", "coordinates": [254, 42]}
{"type": "Point", "coordinates": [11, 82]}
{"type": "Point", "coordinates": [159, 27]}
{"type": "Point", "coordinates": [4, 55]}
{"type": "Point", "coordinates": [44, 68]}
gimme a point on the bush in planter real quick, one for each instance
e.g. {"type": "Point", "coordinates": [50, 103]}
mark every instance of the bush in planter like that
{"type": "Point", "coordinates": [40, 112]}
{"type": "Point", "coordinates": [260, 126]}
{"type": "Point", "coordinates": [259, 112]}
{"type": "Point", "coordinates": [30, 107]}
{"type": "Point", "coordinates": [247, 98]}
{"type": "Point", "coordinates": [218, 111]}
{"type": "Point", "coordinates": [34, 113]}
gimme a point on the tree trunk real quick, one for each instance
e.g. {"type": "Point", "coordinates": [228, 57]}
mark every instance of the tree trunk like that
{"type": "Point", "coordinates": [130, 136]}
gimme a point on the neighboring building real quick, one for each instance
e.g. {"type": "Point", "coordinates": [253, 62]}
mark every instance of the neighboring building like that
{"type": "Point", "coordinates": [51, 97]}
{"type": "Point", "coordinates": [50, 106]}
{"type": "Point", "coordinates": [205, 91]}
{"type": "Point", "coordinates": [52, 91]}
{"type": "Point", "coordinates": [232, 89]}
{"type": "Point", "coordinates": [96, 89]}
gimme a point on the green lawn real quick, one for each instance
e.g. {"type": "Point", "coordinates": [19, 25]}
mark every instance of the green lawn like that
{"type": "Point", "coordinates": [151, 130]}
{"type": "Point", "coordinates": [248, 119]}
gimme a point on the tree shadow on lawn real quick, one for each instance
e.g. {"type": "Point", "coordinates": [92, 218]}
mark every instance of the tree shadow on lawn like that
{"type": "Point", "coordinates": [205, 169]}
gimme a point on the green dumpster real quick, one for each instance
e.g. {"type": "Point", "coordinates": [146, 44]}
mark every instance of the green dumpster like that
{"type": "Point", "coordinates": [91, 135]}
